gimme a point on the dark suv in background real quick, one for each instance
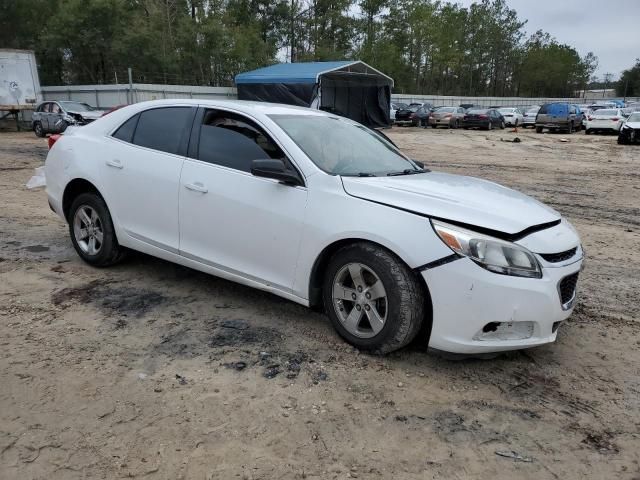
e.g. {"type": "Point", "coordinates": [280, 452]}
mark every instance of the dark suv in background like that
{"type": "Point", "coordinates": [559, 116]}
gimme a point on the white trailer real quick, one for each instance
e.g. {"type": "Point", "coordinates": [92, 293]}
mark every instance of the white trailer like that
{"type": "Point", "coordinates": [19, 83]}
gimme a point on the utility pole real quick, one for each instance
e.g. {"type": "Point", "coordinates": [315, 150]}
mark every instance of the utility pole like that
{"type": "Point", "coordinates": [130, 99]}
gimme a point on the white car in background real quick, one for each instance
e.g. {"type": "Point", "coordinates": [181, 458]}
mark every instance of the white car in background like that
{"type": "Point", "coordinates": [512, 116]}
{"type": "Point", "coordinates": [529, 116]}
{"type": "Point", "coordinates": [322, 211]}
{"type": "Point", "coordinates": [394, 108]}
{"type": "Point", "coordinates": [604, 120]}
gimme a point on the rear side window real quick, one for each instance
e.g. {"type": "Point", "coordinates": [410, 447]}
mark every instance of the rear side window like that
{"type": "Point", "coordinates": [125, 132]}
{"type": "Point", "coordinates": [163, 128]}
{"type": "Point", "coordinates": [234, 141]}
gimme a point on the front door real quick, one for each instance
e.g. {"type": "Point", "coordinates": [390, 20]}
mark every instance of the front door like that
{"type": "Point", "coordinates": [229, 219]}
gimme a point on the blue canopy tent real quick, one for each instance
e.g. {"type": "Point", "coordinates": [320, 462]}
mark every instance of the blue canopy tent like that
{"type": "Point", "coordinates": [352, 89]}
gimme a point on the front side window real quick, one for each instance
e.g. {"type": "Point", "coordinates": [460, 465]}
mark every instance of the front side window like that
{"type": "Point", "coordinates": [233, 141]}
{"type": "Point", "coordinates": [55, 108]}
{"type": "Point", "coordinates": [341, 147]}
{"type": "Point", "coordinates": [163, 128]}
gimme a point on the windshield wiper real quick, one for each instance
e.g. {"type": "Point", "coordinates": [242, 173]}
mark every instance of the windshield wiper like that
{"type": "Point", "coordinates": [364, 174]}
{"type": "Point", "coordinates": [406, 171]}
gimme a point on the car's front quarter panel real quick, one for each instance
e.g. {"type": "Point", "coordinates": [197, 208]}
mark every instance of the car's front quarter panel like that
{"type": "Point", "coordinates": [333, 215]}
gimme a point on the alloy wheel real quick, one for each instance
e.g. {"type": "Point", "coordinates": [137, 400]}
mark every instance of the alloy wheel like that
{"type": "Point", "coordinates": [88, 230]}
{"type": "Point", "coordinates": [360, 300]}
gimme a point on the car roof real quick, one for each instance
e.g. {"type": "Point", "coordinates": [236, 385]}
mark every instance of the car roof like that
{"type": "Point", "coordinates": [245, 106]}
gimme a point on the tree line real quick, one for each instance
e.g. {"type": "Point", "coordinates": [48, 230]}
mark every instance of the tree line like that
{"type": "Point", "coordinates": [426, 46]}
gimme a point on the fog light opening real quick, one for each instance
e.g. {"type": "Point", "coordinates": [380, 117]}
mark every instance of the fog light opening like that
{"type": "Point", "coordinates": [490, 327]}
{"type": "Point", "coordinates": [555, 326]}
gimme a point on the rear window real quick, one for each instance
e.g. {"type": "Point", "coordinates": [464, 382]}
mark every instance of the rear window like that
{"type": "Point", "coordinates": [162, 128]}
{"type": "Point", "coordinates": [448, 109]}
{"type": "Point", "coordinates": [554, 109]}
{"type": "Point", "coordinates": [476, 111]}
{"type": "Point", "coordinates": [606, 112]}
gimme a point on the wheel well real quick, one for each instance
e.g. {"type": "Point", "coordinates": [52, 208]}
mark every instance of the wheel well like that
{"type": "Point", "coordinates": [74, 188]}
{"type": "Point", "coordinates": [320, 267]}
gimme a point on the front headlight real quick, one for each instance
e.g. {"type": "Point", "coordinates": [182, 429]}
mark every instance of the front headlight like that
{"type": "Point", "coordinates": [68, 118]}
{"type": "Point", "coordinates": [495, 255]}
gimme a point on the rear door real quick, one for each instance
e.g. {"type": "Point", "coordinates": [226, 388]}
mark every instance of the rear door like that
{"type": "Point", "coordinates": [229, 219]}
{"type": "Point", "coordinates": [141, 174]}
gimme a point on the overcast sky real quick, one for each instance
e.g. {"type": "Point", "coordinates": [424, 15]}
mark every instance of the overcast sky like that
{"type": "Point", "coordinates": [608, 28]}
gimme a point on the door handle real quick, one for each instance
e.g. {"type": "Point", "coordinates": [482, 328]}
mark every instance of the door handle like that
{"type": "Point", "coordinates": [114, 163]}
{"type": "Point", "coordinates": [196, 187]}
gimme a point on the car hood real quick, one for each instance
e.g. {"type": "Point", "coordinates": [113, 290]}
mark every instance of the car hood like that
{"type": "Point", "coordinates": [456, 198]}
{"type": "Point", "coordinates": [633, 124]}
{"type": "Point", "coordinates": [92, 114]}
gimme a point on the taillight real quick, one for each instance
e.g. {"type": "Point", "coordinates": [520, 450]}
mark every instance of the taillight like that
{"type": "Point", "coordinates": [483, 116]}
{"type": "Point", "coordinates": [413, 115]}
{"type": "Point", "coordinates": [53, 139]}
{"type": "Point", "coordinates": [590, 118]}
{"type": "Point", "coordinates": [615, 119]}
{"type": "Point", "coordinates": [447, 115]}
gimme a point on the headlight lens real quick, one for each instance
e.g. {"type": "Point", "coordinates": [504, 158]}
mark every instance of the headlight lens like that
{"type": "Point", "coordinates": [495, 255]}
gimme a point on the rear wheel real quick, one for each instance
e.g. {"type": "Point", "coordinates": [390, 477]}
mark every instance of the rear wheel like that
{"type": "Point", "coordinates": [502, 125]}
{"type": "Point", "coordinates": [92, 232]}
{"type": "Point", "coordinates": [373, 299]}
{"type": "Point", "coordinates": [38, 130]}
{"type": "Point", "coordinates": [538, 129]}
{"type": "Point", "coordinates": [570, 129]}
{"type": "Point", "coordinates": [587, 131]}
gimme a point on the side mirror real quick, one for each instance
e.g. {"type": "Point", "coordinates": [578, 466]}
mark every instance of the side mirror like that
{"type": "Point", "coordinates": [274, 168]}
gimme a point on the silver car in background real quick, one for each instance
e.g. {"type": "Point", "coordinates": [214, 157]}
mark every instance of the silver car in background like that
{"type": "Point", "coordinates": [447, 117]}
{"type": "Point", "coordinates": [529, 116]}
{"type": "Point", "coordinates": [56, 116]}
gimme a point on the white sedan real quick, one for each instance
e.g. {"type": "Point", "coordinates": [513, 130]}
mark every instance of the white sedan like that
{"type": "Point", "coordinates": [324, 212]}
{"type": "Point", "coordinates": [604, 120]}
{"type": "Point", "coordinates": [512, 116]}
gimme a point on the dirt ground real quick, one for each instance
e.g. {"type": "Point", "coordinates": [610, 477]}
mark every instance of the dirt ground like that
{"type": "Point", "coordinates": [153, 370]}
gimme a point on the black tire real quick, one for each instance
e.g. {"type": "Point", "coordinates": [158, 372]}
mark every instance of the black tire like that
{"type": "Point", "coordinates": [502, 125]}
{"type": "Point", "coordinates": [465, 128]}
{"type": "Point", "coordinates": [490, 126]}
{"type": "Point", "coordinates": [110, 251]}
{"type": "Point", "coordinates": [587, 131]}
{"type": "Point", "coordinates": [38, 130]}
{"type": "Point", "coordinates": [622, 140]}
{"type": "Point", "coordinates": [539, 129]}
{"type": "Point", "coordinates": [405, 297]}
{"type": "Point", "coordinates": [570, 129]}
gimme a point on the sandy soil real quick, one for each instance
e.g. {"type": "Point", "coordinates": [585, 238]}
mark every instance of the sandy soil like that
{"type": "Point", "coordinates": [153, 370]}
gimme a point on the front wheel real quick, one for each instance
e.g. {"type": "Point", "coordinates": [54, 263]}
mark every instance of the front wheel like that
{"type": "Point", "coordinates": [538, 129]}
{"type": "Point", "coordinates": [373, 299]}
{"type": "Point", "coordinates": [502, 125]}
{"type": "Point", "coordinates": [587, 131]}
{"type": "Point", "coordinates": [92, 232]}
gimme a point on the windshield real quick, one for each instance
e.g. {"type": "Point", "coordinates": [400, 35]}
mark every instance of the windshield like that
{"type": "Point", "coordinates": [341, 147]}
{"type": "Point", "coordinates": [606, 112]}
{"type": "Point", "coordinates": [77, 106]}
{"type": "Point", "coordinates": [634, 117]}
{"type": "Point", "coordinates": [533, 110]}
